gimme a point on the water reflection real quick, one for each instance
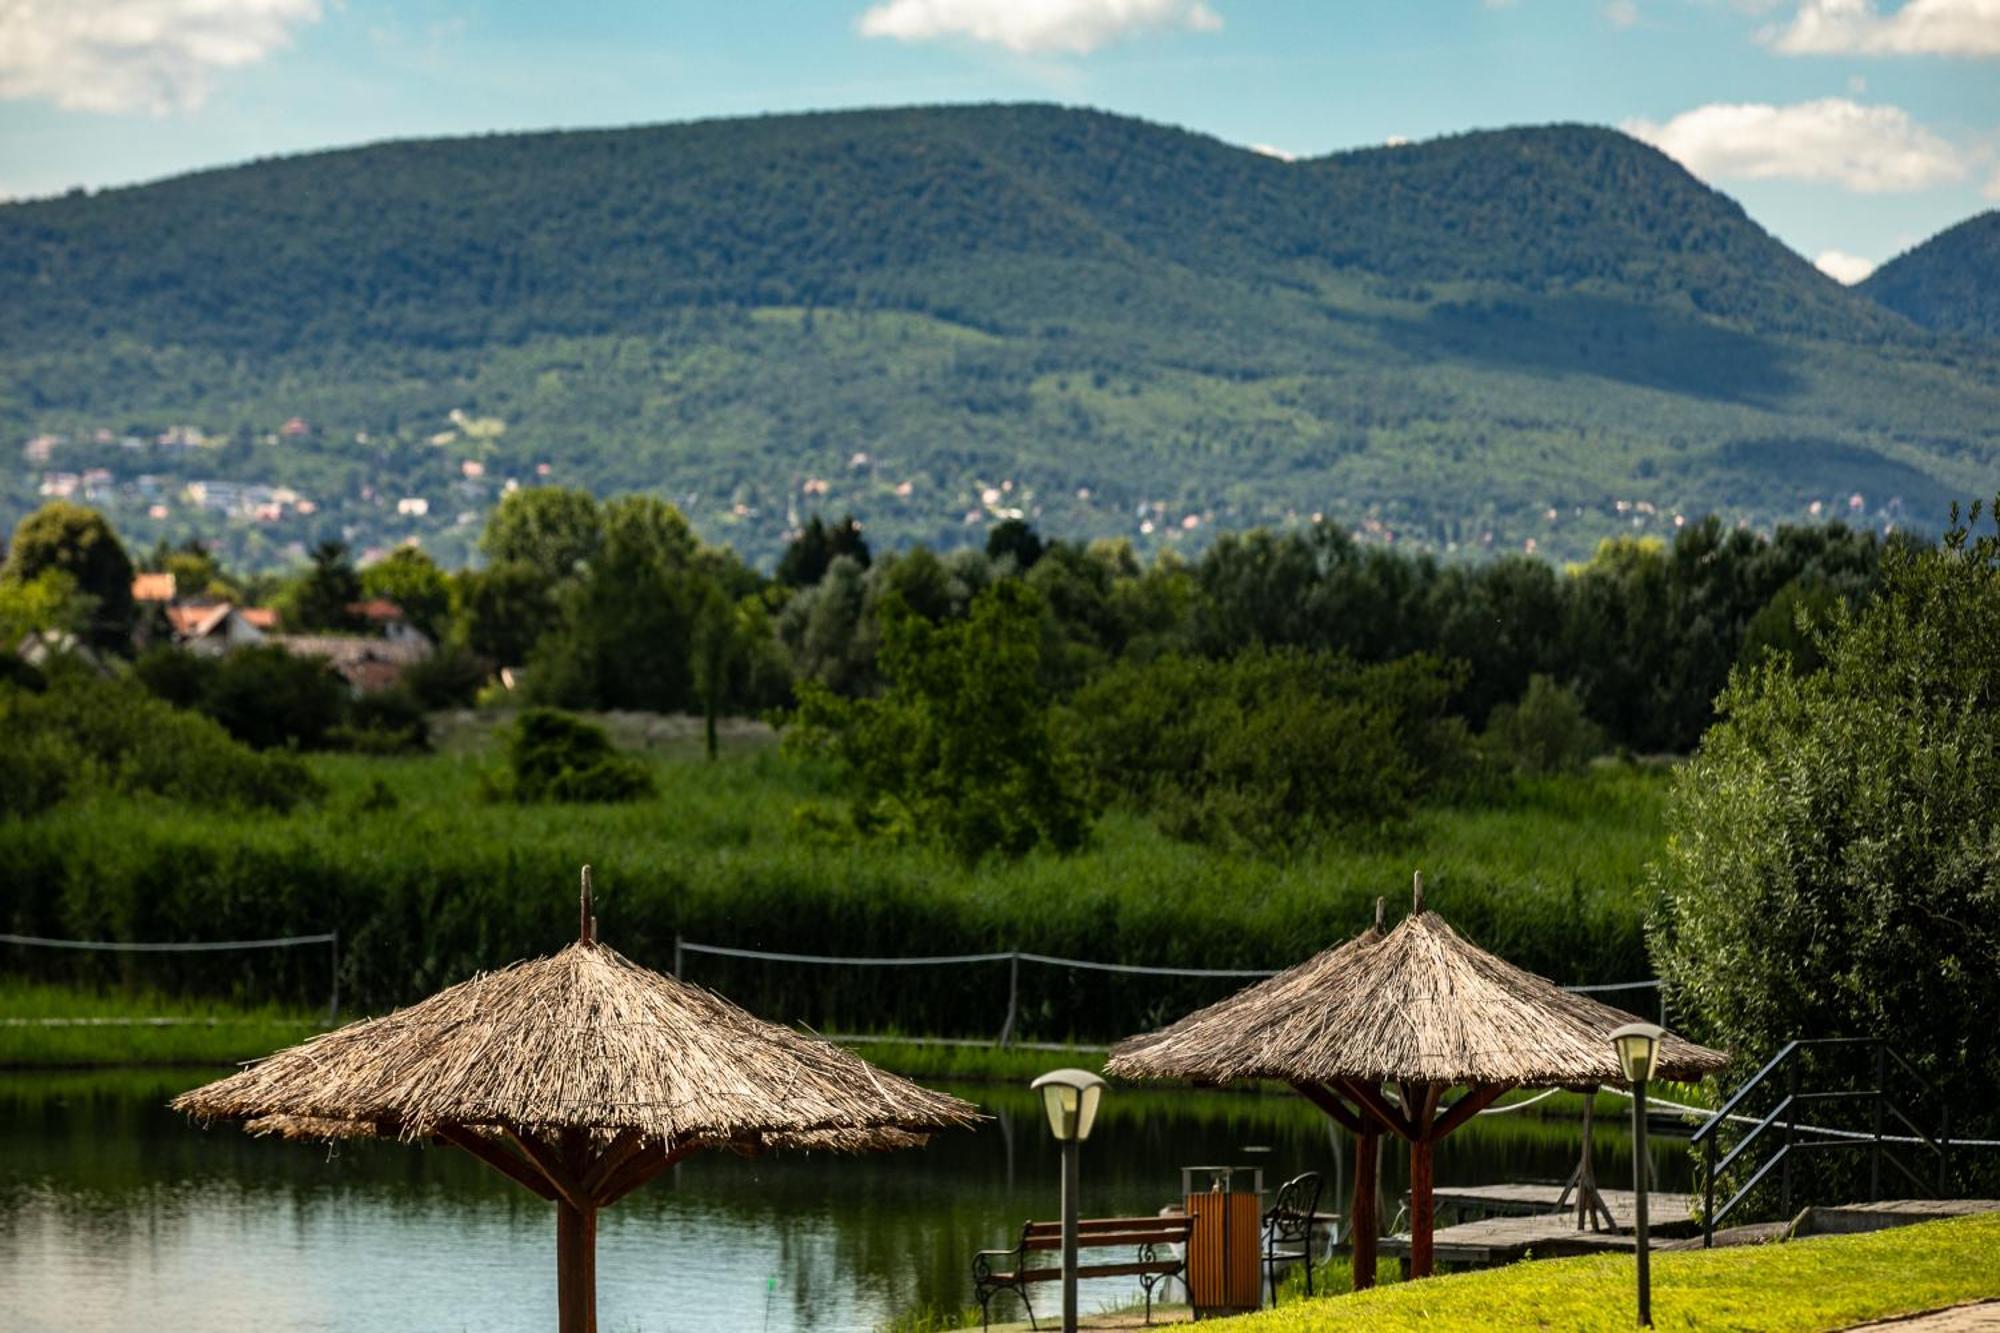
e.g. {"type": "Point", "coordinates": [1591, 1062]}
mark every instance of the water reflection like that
{"type": "Point", "coordinates": [115, 1214]}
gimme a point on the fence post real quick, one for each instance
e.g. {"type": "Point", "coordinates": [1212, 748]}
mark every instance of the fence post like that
{"type": "Point", "coordinates": [677, 956]}
{"type": "Point", "coordinates": [1013, 998]}
{"type": "Point", "coordinates": [333, 1005]}
{"type": "Point", "coordinates": [1875, 1153]}
{"type": "Point", "coordinates": [1791, 1134]}
{"type": "Point", "coordinates": [1944, 1147]}
{"type": "Point", "coordinates": [1708, 1193]}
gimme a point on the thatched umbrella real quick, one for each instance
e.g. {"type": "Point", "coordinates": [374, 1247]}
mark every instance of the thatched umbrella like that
{"type": "Point", "coordinates": [580, 1077]}
{"type": "Point", "coordinates": [1421, 1009]}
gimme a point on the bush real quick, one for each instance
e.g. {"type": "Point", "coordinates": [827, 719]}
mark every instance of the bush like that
{"type": "Point", "coordinates": [552, 756]}
{"type": "Point", "coordinates": [1832, 866]}
{"type": "Point", "coordinates": [1546, 732]}
{"type": "Point", "coordinates": [262, 695]}
{"type": "Point", "coordinates": [962, 747]}
{"type": "Point", "coordinates": [386, 722]}
{"type": "Point", "coordinates": [84, 732]}
{"type": "Point", "coordinates": [449, 678]}
{"type": "Point", "coordinates": [1270, 748]}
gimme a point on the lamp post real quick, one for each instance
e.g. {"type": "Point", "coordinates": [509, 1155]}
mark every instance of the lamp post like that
{"type": "Point", "coordinates": [1638, 1048]}
{"type": "Point", "coordinates": [1070, 1097]}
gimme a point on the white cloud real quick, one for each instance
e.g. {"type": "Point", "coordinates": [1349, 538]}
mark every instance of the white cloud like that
{"type": "Point", "coordinates": [1915, 27]}
{"type": "Point", "coordinates": [1843, 267]}
{"type": "Point", "coordinates": [136, 55]}
{"type": "Point", "coordinates": [1036, 27]}
{"type": "Point", "coordinates": [1992, 190]}
{"type": "Point", "coordinates": [1868, 149]}
{"type": "Point", "coordinates": [1621, 13]}
{"type": "Point", "coordinates": [1269, 150]}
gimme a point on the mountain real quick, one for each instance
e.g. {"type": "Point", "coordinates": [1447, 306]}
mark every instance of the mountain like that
{"type": "Point", "coordinates": [935, 316]}
{"type": "Point", "coordinates": [1950, 283]}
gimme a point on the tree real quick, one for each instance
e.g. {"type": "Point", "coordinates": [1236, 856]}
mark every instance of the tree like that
{"type": "Point", "coordinates": [627, 620]}
{"type": "Point", "coordinates": [553, 530]}
{"type": "Point", "coordinates": [961, 747]}
{"type": "Point", "coordinates": [413, 581]}
{"type": "Point", "coordinates": [504, 609]}
{"type": "Point", "coordinates": [818, 545]}
{"type": "Point", "coordinates": [1832, 865]}
{"type": "Point", "coordinates": [320, 600]}
{"type": "Point", "coordinates": [80, 543]}
{"type": "Point", "coordinates": [1546, 732]}
{"type": "Point", "coordinates": [1014, 537]}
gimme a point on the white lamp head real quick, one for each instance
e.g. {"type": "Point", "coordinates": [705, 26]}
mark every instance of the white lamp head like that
{"type": "Point", "coordinates": [1638, 1048]}
{"type": "Point", "coordinates": [1070, 1097]}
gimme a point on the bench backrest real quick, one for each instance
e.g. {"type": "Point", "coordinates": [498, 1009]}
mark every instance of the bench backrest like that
{"type": "Point", "coordinates": [1124, 1232]}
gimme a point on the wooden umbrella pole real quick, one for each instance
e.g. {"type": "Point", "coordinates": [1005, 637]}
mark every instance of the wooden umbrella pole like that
{"type": "Point", "coordinates": [1423, 1214]}
{"type": "Point", "coordinates": [1362, 1227]}
{"type": "Point", "coordinates": [576, 1241]}
{"type": "Point", "coordinates": [1420, 1103]}
{"type": "Point", "coordinates": [576, 1268]}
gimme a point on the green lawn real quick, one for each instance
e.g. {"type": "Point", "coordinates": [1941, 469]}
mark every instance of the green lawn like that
{"type": "Point", "coordinates": [1824, 1282]}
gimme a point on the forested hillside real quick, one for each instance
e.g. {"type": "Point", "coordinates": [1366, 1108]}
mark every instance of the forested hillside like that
{"type": "Point", "coordinates": [1950, 283]}
{"type": "Point", "coordinates": [937, 317]}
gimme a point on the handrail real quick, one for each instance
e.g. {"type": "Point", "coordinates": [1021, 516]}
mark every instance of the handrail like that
{"type": "Point", "coordinates": [1910, 1069]}
{"type": "Point", "coordinates": [1722, 1115]}
{"type": "Point", "coordinates": [1753, 1135]}
{"type": "Point", "coordinates": [1786, 1113]}
{"type": "Point", "coordinates": [1748, 1185]}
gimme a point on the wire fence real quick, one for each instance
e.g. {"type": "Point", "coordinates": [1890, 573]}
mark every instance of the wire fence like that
{"type": "Point", "coordinates": [1077, 1003]}
{"type": "Point", "coordinates": [1067, 1001]}
{"type": "Point", "coordinates": [330, 939]}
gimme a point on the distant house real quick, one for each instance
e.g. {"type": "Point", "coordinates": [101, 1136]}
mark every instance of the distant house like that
{"type": "Point", "coordinates": [389, 620]}
{"type": "Point", "coordinates": [365, 662]}
{"type": "Point", "coordinates": [40, 647]}
{"type": "Point", "coordinates": [211, 628]}
{"type": "Point", "coordinates": [264, 618]}
{"type": "Point", "coordinates": [157, 587]}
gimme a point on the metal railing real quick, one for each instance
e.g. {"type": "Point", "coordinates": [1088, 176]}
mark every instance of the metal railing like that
{"type": "Point", "coordinates": [1784, 1117]}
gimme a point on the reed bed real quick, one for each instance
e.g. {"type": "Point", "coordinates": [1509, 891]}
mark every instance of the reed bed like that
{"type": "Point", "coordinates": [437, 885]}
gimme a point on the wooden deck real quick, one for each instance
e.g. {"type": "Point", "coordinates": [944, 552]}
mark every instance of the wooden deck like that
{"type": "Point", "coordinates": [1474, 1201]}
{"type": "Point", "coordinates": [1510, 1221]}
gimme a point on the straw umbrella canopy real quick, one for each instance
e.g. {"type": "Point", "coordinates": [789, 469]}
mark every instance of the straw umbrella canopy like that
{"type": "Point", "coordinates": [580, 1077]}
{"type": "Point", "coordinates": [1420, 1009]}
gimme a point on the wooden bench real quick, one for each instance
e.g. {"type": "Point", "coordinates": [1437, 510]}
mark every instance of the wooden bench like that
{"type": "Point", "coordinates": [1154, 1264]}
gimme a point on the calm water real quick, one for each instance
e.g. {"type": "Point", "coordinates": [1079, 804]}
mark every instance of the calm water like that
{"type": "Point", "coordinates": [115, 1214]}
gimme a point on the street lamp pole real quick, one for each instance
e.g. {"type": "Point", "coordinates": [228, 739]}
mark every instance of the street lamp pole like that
{"type": "Point", "coordinates": [1070, 1097]}
{"type": "Point", "coordinates": [1072, 1179]}
{"type": "Point", "coordinates": [1638, 1048]}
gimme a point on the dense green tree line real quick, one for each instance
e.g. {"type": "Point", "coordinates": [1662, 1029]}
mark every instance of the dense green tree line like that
{"type": "Point", "coordinates": [1284, 684]}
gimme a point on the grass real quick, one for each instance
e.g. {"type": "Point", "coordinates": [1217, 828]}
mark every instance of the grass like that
{"type": "Point", "coordinates": [441, 884]}
{"type": "Point", "coordinates": [1823, 1282]}
{"type": "Point", "coordinates": [46, 1026]}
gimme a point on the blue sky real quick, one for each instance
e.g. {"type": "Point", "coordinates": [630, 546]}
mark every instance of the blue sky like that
{"type": "Point", "coordinates": [1850, 128]}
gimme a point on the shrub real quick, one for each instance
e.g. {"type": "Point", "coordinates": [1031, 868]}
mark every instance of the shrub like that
{"type": "Point", "coordinates": [1268, 749]}
{"type": "Point", "coordinates": [262, 695]}
{"type": "Point", "coordinates": [552, 756]}
{"type": "Point", "coordinates": [1832, 866]}
{"type": "Point", "coordinates": [112, 734]}
{"type": "Point", "coordinates": [961, 747]}
{"type": "Point", "coordinates": [1546, 732]}
{"type": "Point", "coordinates": [266, 697]}
{"type": "Point", "coordinates": [449, 678]}
{"type": "Point", "coordinates": [385, 722]}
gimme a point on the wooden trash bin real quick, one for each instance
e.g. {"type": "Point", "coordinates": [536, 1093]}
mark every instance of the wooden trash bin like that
{"type": "Point", "coordinates": [1223, 1273]}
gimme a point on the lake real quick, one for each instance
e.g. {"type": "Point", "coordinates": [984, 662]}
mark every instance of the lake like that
{"type": "Point", "coordinates": [116, 1214]}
